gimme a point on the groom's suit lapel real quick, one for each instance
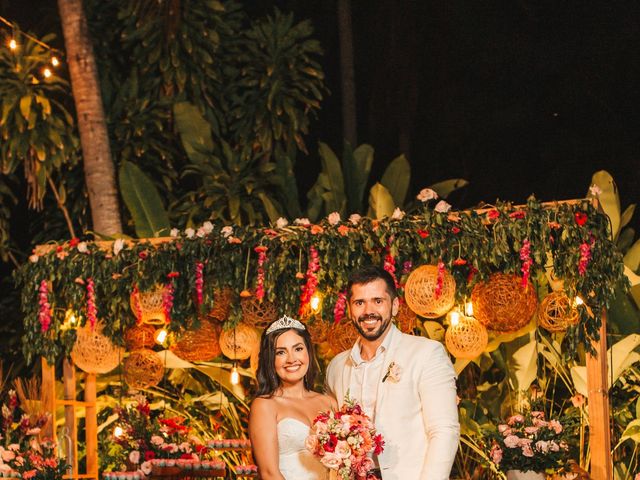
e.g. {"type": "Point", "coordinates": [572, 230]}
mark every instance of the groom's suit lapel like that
{"type": "Point", "coordinates": [389, 356]}
{"type": "Point", "coordinates": [346, 378]}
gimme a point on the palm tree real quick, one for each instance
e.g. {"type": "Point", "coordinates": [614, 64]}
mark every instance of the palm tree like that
{"type": "Point", "coordinates": [94, 139]}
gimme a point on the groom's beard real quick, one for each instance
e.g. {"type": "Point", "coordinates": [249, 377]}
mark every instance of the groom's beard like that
{"type": "Point", "coordinates": [375, 334]}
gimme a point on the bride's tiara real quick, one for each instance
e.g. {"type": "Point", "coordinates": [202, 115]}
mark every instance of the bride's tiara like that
{"type": "Point", "coordinates": [285, 322]}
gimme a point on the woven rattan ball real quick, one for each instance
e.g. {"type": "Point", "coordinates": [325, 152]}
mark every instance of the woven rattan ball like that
{"type": "Point", "coordinates": [258, 313]}
{"type": "Point", "coordinates": [342, 336]}
{"type": "Point", "coordinates": [143, 369]}
{"type": "Point", "coordinates": [556, 312]}
{"type": "Point", "coordinates": [140, 336]}
{"type": "Point", "coordinates": [149, 306]}
{"type": "Point", "coordinates": [406, 318]}
{"type": "Point", "coordinates": [502, 304]}
{"type": "Point", "coordinates": [466, 339]}
{"type": "Point", "coordinates": [318, 329]}
{"type": "Point", "coordinates": [199, 345]}
{"type": "Point", "coordinates": [420, 292]}
{"type": "Point", "coordinates": [222, 299]}
{"type": "Point", "coordinates": [94, 352]}
{"type": "Point", "coordinates": [238, 343]}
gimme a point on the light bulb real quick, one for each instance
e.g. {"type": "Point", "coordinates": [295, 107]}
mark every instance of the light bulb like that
{"type": "Point", "coordinates": [46, 72]}
{"type": "Point", "coordinates": [70, 318]}
{"type": "Point", "coordinates": [578, 300]}
{"type": "Point", "coordinates": [454, 317]}
{"type": "Point", "coordinates": [468, 309]}
{"type": "Point", "coordinates": [160, 336]}
{"type": "Point", "coordinates": [316, 302]}
{"type": "Point", "coordinates": [54, 61]}
{"type": "Point", "coordinates": [13, 44]}
{"type": "Point", "coordinates": [235, 376]}
{"type": "Point", "coordinates": [118, 432]}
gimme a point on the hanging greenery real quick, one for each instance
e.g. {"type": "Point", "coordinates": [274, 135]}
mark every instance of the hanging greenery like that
{"type": "Point", "coordinates": [471, 245]}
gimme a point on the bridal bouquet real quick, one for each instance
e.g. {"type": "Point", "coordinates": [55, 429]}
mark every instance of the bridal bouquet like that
{"type": "Point", "coordinates": [344, 440]}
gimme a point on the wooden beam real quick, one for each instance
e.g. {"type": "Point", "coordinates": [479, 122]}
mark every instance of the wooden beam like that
{"type": "Point", "coordinates": [598, 403]}
{"type": "Point", "coordinates": [48, 392]}
{"type": "Point", "coordinates": [70, 414]}
{"type": "Point", "coordinates": [91, 425]}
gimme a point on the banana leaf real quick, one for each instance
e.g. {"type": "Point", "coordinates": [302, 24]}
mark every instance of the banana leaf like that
{"type": "Point", "coordinates": [396, 179]}
{"type": "Point", "coordinates": [381, 203]}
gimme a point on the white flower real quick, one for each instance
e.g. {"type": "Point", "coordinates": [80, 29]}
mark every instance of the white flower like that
{"type": "Point", "coordinates": [595, 190]}
{"type": "Point", "coordinates": [82, 247]}
{"type": "Point", "coordinates": [157, 440]}
{"type": "Point", "coordinates": [190, 232]}
{"type": "Point", "coordinates": [442, 207]}
{"type": "Point", "coordinates": [118, 245]}
{"type": "Point", "coordinates": [427, 194]}
{"type": "Point", "coordinates": [146, 468]}
{"type": "Point", "coordinates": [34, 258]}
{"type": "Point", "coordinates": [227, 231]}
{"type": "Point", "coordinates": [207, 227]}
{"type": "Point", "coordinates": [174, 233]}
{"type": "Point", "coordinates": [134, 457]}
{"type": "Point", "coordinates": [393, 373]}
{"type": "Point", "coordinates": [185, 447]}
{"type": "Point", "coordinates": [200, 232]}
{"type": "Point", "coordinates": [542, 446]}
{"type": "Point", "coordinates": [355, 218]}
{"type": "Point", "coordinates": [397, 214]}
{"type": "Point", "coordinates": [334, 218]}
{"type": "Point", "coordinates": [282, 222]}
{"type": "Point", "coordinates": [305, 222]}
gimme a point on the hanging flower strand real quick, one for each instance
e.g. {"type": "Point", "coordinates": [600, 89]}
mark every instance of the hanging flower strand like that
{"type": "Point", "coordinates": [340, 308]}
{"type": "Point", "coordinates": [390, 263]}
{"type": "Point", "coordinates": [167, 296]}
{"type": "Point", "coordinates": [44, 315]}
{"type": "Point", "coordinates": [310, 285]}
{"type": "Point", "coordinates": [439, 279]}
{"type": "Point", "coordinates": [261, 250]}
{"type": "Point", "coordinates": [199, 284]}
{"type": "Point", "coordinates": [525, 257]}
{"type": "Point", "coordinates": [92, 311]}
{"type": "Point", "coordinates": [585, 258]}
{"type": "Point", "coordinates": [135, 302]}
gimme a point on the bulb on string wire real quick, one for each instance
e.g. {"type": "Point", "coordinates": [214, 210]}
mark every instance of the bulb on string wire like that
{"type": "Point", "coordinates": [235, 376]}
{"type": "Point", "coordinates": [118, 432]}
{"type": "Point", "coordinates": [54, 61]}
{"type": "Point", "coordinates": [160, 336]}
{"type": "Point", "coordinates": [578, 301]}
{"type": "Point", "coordinates": [13, 44]}
{"type": "Point", "coordinates": [454, 317]}
{"type": "Point", "coordinates": [468, 309]}
{"type": "Point", "coordinates": [316, 302]}
{"type": "Point", "coordinates": [46, 72]}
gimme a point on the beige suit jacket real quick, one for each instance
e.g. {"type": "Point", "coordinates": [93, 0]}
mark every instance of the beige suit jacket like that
{"type": "Point", "coordinates": [417, 415]}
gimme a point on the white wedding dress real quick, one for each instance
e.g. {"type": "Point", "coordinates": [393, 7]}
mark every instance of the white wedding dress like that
{"type": "Point", "coordinates": [296, 462]}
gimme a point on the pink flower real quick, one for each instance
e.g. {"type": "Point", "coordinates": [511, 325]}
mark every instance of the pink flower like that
{"type": "Point", "coordinates": [282, 222]}
{"type": "Point", "coordinates": [333, 218]}
{"type": "Point", "coordinates": [134, 457]}
{"type": "Point", "coordinates": [397, 214]}
{"type": "Point", "coordinates": [157, 440]}
{"type": "Point", "coordinates": [343, 450]}
{"type": "Point", "coordinates": [427, 194]}
{"type": "Point", "coordinates": [496, 454]}
{"type": "Point", "coordinates": [331, 460]}
{"type": "Point", "coordinates": [303, 222]}
{"type": "Point", "coordinates": [311, 443]}
{"type": "Point", "coordinates": [511, 441]}
{"type": "Point", "coordinates": [8, 455]}
{"type": "Point", "coordinates": [442, 207]}
{"type": "Point", "coordinates": [146, 468]}
{"type": "Point", "coordinates": [527, 451]}
{"type": "Point", "coordinates": [354, 218]}
{"type": "Point", "coordinates": [227, 231]}
{"type": "Point", "coordinates": [515, 419]}
{"type": "Point", "coordinates": [503, 428]}
{"type": "Point", "coordinates": [555, 425]}
{"type": "Point", "coordinates": [578, 400]}
{"type": "Point", "coordinates": [531, 430]}
{"type": "Point", "coordinates": [542, 446]}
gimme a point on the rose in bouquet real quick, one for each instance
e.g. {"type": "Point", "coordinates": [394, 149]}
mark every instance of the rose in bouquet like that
{"type": "Point", "coordinates": [344, 441]}
{"type": "Point", "coordinates": [39, 461]}
{"type": "Point", "coordinates": [529, 441]}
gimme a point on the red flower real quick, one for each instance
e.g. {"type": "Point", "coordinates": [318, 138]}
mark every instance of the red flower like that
{"type": "Point", "coordinates": [143, 254]}
{"type": "Point", "coordinates": [455, 230]}
{"type": "Point", "coordinates": [581, 218]}
{"type": "Point", "coordinates": [379, 444]}
{"type": "Point", "coordinates": [459, 261]}
{"type": "Point", "coordinates": [493, 214]}
{"type": "Point", "coordinates": [330, 446]}
{"type": "Point", "coordinates": [186, 456]}
{"type": "Point", "coordinates": [149, 455]}
{"type": "Point", "coordinates": [173, 274]}
{"type": "Point", "coordinates": [74, 242]}
{"type": "Point", "coordinates": [423, 233]}
{"type": "Point", "coordinates": [519, 214]}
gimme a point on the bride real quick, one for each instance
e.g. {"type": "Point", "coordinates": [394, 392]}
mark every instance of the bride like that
{"type": "Point", "coordinates": [285, 406]}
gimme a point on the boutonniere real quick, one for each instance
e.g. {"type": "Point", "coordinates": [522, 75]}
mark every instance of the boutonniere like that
{"type": "Point", "coordinates": [393, 373]}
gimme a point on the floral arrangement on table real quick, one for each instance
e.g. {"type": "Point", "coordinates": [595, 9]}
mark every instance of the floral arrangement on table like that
{"type": "Point", "coordinates": [145, 436]}
{"type": "Point", "coordinates": [344, 440]}
{"type": "Point", "coordinates": [529, 442]}
{"type": "Point", "coordinates": [23, 453]}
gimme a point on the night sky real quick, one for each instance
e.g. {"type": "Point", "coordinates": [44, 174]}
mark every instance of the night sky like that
{"type": "Point", "coordinates": [517, 96]}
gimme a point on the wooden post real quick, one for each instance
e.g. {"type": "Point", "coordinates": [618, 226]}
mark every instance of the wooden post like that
{"type": "Point", "coordinates": [598, 404]}
{"type": "Point", "coordinates": [48, 388]}
{"type": "Point", "coordinates": [70, 414]}
{"type": "Point", "coordinates": [91, 425]}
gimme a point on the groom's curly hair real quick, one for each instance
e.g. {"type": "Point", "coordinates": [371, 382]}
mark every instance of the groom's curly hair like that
{"type": "Point", "coordinates": [268, 379]}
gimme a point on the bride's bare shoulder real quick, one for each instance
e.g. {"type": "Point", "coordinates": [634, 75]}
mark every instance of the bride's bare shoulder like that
{"type": "Point", "coordinates": [263, 405]}
{"type": "Point", "coordinates": [327, 401]}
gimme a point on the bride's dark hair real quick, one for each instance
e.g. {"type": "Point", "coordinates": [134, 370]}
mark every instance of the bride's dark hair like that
{"type": "Point", "coordinates": [268, 379]}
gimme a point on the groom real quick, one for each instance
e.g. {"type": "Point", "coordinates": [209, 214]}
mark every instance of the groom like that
{"type": "Point", "coordinates": [406, 384]}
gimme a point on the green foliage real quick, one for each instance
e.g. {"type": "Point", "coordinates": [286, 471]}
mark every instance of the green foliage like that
{"type": "Point", "coordinates": [143, 201]}
{"type": "Point", "coordinates": [36, 130]}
